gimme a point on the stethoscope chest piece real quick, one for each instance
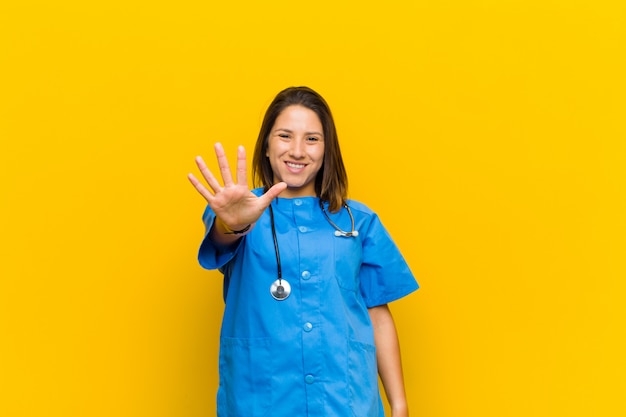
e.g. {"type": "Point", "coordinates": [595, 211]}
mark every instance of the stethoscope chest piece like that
{"type": "Point", "coordinates": [280, 289]}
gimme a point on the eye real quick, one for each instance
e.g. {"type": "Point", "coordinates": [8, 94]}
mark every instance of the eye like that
{"type": "Point", "coordinates": [312, 139]}
{"type": "Point", "coordinates": [283, 135]}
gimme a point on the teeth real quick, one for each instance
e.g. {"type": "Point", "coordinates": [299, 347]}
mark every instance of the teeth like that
{"type": "Point", "coordinates": [292, 165]}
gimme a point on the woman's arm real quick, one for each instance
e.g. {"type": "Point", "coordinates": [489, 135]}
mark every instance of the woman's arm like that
{"type": "Point", "coordinates": [388, 357]}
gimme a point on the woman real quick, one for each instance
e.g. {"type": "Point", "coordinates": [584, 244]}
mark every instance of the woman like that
{"type": "Point", "coordinates": [307, 275]}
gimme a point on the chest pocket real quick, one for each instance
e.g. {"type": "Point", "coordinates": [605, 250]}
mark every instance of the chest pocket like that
{"type": "Point", "coordinates": [348, 255]}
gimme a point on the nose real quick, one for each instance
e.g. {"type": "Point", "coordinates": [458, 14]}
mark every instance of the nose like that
{"type": "Point", "coordinates": [297, 148]}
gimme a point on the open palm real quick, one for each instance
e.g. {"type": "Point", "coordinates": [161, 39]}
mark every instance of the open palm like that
{"type": "Point", "coordinates": [233, 203]}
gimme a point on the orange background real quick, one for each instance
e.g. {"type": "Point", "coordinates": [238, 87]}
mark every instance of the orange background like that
{"type": "Point", "coordinates": [488, 135]}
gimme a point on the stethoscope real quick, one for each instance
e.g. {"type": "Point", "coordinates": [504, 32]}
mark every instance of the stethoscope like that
{"type": "Point", "coordinates": [338, 231]}
{"type": "Point", "coordinates": [280, 289]}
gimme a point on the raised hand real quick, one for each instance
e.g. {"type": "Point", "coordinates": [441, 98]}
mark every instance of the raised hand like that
{"type": "Point", "coordinates": [233, 203]}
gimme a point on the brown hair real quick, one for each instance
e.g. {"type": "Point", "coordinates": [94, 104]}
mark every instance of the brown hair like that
{"type": "Point", "coordinates": [331, 182]}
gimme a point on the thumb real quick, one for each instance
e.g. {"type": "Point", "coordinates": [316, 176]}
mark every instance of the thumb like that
{"type": "Point", "coordinates": [272, 193]}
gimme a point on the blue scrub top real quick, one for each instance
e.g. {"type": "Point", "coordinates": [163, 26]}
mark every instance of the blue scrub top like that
{"type": "Point", "coordinates": [313, 353]}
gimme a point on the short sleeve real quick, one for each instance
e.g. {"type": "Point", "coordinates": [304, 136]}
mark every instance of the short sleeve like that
{"type": "Point", "coordinates": [210, 255]}
{"type": "Point", "coordinates": [384, 276]}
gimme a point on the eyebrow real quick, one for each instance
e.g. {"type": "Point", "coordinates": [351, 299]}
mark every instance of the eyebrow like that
{"type": "Point", "coordinates": [290, 131]}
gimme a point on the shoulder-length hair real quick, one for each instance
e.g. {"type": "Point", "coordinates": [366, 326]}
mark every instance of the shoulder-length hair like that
{"type": "Point", "coordinates": [331, 182]}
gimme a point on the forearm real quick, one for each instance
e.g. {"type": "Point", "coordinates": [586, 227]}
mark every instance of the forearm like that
{"type": "Point", "coordinates": [389, 360]}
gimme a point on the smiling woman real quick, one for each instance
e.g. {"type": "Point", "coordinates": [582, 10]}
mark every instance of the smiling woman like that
{"type": "Point", "coordinates": [296, 150]}
{"type": "Point", "coordinates": [328, 315]}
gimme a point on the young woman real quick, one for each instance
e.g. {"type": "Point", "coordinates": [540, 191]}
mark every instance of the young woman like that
{"type": "Point", "coordinates": [307, 273]}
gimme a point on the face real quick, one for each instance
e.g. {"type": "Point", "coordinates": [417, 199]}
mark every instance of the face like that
{"type": "Point", "coordinates": [296, 150]}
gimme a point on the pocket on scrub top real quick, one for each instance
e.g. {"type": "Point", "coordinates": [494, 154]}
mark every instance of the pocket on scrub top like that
{"type": "Point", "coordinates": [363, 379]}
{"type": "Point", "coordinates": [245, 377]}
{"type": "Point", "coordinates": [348, 254]}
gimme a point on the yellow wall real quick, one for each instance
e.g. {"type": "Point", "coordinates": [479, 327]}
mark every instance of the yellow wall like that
{"type": "Point", "coordinates": [489, 136]}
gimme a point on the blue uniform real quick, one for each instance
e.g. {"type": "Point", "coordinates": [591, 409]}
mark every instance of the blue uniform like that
{"type": "Point", "coordinates": [313, 353]}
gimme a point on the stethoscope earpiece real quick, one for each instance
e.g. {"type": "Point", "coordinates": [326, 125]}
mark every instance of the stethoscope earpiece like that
{"type": "Point", "coordinates": [346, 234]}
{"type": "Point", "coordinates": [338, 231]}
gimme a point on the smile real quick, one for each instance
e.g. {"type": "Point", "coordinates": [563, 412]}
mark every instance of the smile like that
{"type": "Point", "coordinates": [295, 166]}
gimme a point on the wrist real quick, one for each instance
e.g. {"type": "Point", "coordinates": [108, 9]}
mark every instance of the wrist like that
{"type": "Point", "coordinates": [236, 230]}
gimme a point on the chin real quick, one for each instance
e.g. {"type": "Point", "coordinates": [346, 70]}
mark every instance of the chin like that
{"type": "Point", "coordinates": [299, 191]}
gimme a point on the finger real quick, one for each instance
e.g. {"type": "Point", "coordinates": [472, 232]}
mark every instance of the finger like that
{"type": "Point", "coordinates": [242, 177]}
{"type": "Point", "coordinates": [222, 161]}
{"type": "Point", "coordinates": [208, 175]}
{"type": "Point", "coordinates": [200, 188]}
{"type": "Point", "coordinates": [272, 193]}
